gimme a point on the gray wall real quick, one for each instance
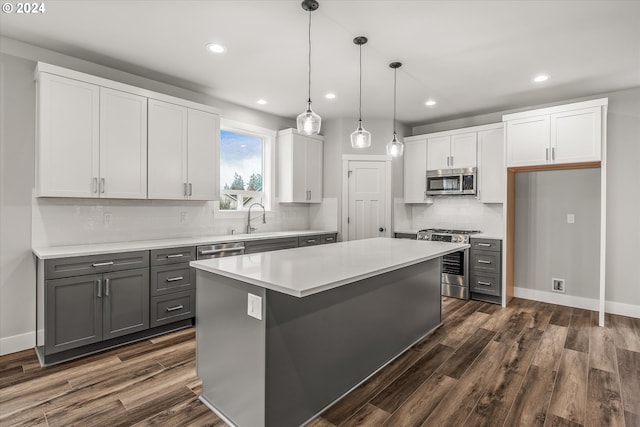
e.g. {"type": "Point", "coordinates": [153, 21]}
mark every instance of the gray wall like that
{"type": "Point", "coordinates": [546, 245]}
{"type": "Point", "coordinates": [17, 207]}
{"type": "Point", "coordinates": [623, 187]}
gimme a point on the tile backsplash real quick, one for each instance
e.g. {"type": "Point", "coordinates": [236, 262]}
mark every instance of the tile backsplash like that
{"type": "Point", "coordinates": [459, 212]}
{"type": "Point", "coordinates": [61, 221]}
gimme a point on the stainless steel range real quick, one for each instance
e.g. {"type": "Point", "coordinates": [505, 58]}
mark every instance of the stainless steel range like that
{"type": "Point", "coordinates": [455, 266]}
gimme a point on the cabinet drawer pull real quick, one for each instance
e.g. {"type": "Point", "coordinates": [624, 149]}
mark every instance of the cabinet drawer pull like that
{"type": "Point", "coordinates": [175, 256]}
{"type": "Point", "coordinates": [482, 261]}
{"type": "Point", "coordinates": [106, 287]}
{"type": "Point", "coordinates": [102, 264]}
{"type": "Point", "coordinates": [174, 279]}
{"type": "Point", "coordinates": [217, 251]}
{"type": "Point", "coordinates": [99, 283]}
{"type": "Point", "coordinates": [311, 241]}
{"type": "Point", "coordinates": [486, 245]}
{"type": "Point", "coordinates": [484, 283]}
{"type": "Point", "coordinates": [329, 239]}
{"type": "Point", "coordinates": [177, 307]}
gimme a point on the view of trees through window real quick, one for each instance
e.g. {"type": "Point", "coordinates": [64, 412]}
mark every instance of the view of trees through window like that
{"type": "Point", "coordinates": [241, 170]}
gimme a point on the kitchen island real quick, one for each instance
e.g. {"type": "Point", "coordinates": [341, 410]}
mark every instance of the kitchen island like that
{"type": "Point", "coordinates": [282, 335]}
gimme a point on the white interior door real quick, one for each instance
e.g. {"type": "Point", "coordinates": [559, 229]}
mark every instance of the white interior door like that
{"type": "Point", "coordinates": [367, 199]}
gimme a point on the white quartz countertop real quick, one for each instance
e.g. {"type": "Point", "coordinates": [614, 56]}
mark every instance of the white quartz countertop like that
{"type": "Point", "coordinates": [308, 270]}
{"type": "Point", "coordinates": [142, 245]}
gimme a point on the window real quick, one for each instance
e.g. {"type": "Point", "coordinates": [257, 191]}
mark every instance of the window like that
{"type": "Point", "coordinates": [245, 154]}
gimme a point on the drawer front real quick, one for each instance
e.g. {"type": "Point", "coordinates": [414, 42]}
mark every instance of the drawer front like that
{"type": "Point", "coordinates": [328, 238]}
{"type": "Point", "coordinates": [485, 262]}
{"type": "Point", "coordinates": [172, 307]}
{"type": "Point", "coordinates": [309, 240]}
{"type": "Point", "coordinates": [488, 284]}
{"type": "Point", "coordinates": [485, 244]}
{"type": "Point", "coordinates": [266, 245]}
{"type": "Point", "coordinates": [92, 264]}
{"type": "Point", "coordinates": [168, 279]}
{"type": "Point", "coordinates": [173, 255]}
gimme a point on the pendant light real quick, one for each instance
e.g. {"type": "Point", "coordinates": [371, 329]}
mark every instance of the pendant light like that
{"type": "Point", "coordinates": [309, 122]}
{"type": "Point", "coordinates": [395, 147]}
{"type": "Point", "coordinates": [360, 138]}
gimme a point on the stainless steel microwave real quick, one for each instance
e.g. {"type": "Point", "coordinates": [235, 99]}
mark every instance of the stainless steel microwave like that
{"type": "Point", "coordinates": [451, 182]}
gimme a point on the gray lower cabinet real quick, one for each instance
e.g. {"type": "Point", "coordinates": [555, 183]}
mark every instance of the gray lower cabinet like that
{"type": "Point", "coordinates": [485, 269]}
{"type": "Point", "coordinates": [173, 307]}
{"type": "Point", "coordinates": [267, 245]}
{"type": "Point", "coordinates": [173, 285]}
{"type": "Point", "coordinates": [317, 239]}
{"type": "Point", "coordinates": [87, 309]}
{"type": "Point", "coordinates": [412, 236]}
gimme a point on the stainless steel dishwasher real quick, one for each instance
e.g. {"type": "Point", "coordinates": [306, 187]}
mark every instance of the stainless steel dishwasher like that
{"type": "Point", "coordinates": [220, 250]}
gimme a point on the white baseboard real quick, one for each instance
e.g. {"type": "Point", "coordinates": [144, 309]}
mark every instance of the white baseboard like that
{"type": "Point", "coordinates": [17, 343]}
{"type": "Point", "coordinates": [612, 307]}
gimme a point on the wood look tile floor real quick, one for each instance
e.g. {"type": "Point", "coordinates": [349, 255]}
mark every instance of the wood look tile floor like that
{"type": "Point", "coordinates": [530, 364]}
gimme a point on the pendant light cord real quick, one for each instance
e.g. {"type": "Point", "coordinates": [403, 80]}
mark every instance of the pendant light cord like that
{"type": "Point", "coordinates": [360, 102]}
{"type": "Point", "coordinates": [309, 57]}
{"type": "Point", "coordinates": [395, 74]}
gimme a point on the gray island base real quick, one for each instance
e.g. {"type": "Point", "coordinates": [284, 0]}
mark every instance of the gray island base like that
{"type": "Point", "coordinates": [306, 352]}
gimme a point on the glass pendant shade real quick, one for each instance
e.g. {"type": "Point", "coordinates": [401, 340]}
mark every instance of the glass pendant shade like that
{"type": "Point", "coordinates": [360, 138]}
{"type": "Point", "coordinates": [309, 122]}
{"type": "Point", "coordinates": [395, 148]}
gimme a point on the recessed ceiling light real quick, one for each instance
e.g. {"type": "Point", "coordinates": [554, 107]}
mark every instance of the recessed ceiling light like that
{"type": "Point", "coordinates": [430, 103]}
{"type": "Point", "coordinates": [262, 101]}
{"type": "Point", "coordinates": [330, 95]}
{"type": "Point", "coordinates": [216, 48]}
{"type": "Point", "coordinates": [541, 78]}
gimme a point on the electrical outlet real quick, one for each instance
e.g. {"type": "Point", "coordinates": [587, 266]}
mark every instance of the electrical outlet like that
{"type": "Point", "coordinates": [107, 218]}
{"type": "Point", "coordinates": [557, 285]}
{"type": "Point", "coordinates": [571, 218]}
{"type": "Point", "coordinates": [184, 217]}
{"type": "Point", "coordinates": [254, 306]}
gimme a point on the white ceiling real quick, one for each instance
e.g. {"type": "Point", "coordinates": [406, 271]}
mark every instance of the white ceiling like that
{"type": "Point", "coordinates": [471, 56]}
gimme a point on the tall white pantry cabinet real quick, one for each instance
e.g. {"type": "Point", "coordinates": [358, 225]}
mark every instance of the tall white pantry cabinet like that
{"type": "Point", "coordinates": [97, 138]}
{"type": "Point", "coordinates": [300, 167]}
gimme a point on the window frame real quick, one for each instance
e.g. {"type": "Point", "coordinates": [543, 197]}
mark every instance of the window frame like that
{"type": "Point", "coordinates": [268, 165]}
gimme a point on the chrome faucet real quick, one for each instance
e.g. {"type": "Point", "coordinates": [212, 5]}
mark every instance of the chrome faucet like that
{"type": "Point", "coordinates": [264, 217]}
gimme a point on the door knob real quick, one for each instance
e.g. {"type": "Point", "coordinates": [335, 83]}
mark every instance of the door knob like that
{"type": "Point", "coordinates": [381, 229]}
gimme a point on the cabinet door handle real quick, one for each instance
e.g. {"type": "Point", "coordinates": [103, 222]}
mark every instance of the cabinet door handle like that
{"type": "Point", "coordinates": [546, 154]}
{"type": "Point", "coordinates": [484, 283]}
{"type": "Point", "coordinates": [486, 245]}
{"type": "Point", "coordinates": [451, 165]}
{"type": "Point", "coordinates": [99, 283]}
{"type": "Point", "coordinates": [102, 185]}
{"type": "Point", "coordinates": [175, 256]}
{"type": "Point", "coordinates": [184, 190]}
{"type": "Point", "coordinates": [94, 185]}
{"type": "Point", "coordinates": [553, 153]}
{"type": "Point", "coordinates": [174, 279]}
{"type": "Point", "coordinates": [102, 264]}
{"type": "Point", "coordinates": [481, 261]}
{"type": "Point", "coordinates": [106, 287]}
{"type": "Point", "coordinates": [190, 189]}
{"type": "Point", "coordinates": [177, 307]}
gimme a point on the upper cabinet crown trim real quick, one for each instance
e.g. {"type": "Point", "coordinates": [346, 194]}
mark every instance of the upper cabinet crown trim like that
{"type": "Point", "coordinates": [291, 131]}
{"type": "Point", "coordinates": [456, 131]}
{"type": "Point", "coordinates": [601, 102]}
{"type": "Point", "coordinates": [43, 67]}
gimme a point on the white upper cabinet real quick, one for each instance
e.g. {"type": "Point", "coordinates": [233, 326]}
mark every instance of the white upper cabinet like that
{"type": "Point", "coordinates": [415, 170]}
{"type": "Point", "coordinates": [491, 169]}
{"type": "Point", "coordinates": [103, 139]}
{"type": "Point", "coordinates": [564, 134]}
{"type": "Point", "coordinates": [167, 151]}
{"type": "Point", "coordinates": [451, 151]}
{"type": "Point", "coordinates": [183, 149]}
{"type": "Point", "coordinates": [92, 141]}
{"type": "Point", "coordinates": [300, 167]}
{"type": "Point", "coordinates": [123, 145]}
{"type": "Point", "coordinates": [203, 130]}
{"type": "Point", "coordinates": [68, 145]}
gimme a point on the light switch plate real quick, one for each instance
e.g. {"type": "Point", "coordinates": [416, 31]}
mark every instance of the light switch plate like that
{"type": "Point", "coordinates": [254, 306]}
{"type": "Point", "coordinates": [571, 219]}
